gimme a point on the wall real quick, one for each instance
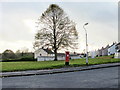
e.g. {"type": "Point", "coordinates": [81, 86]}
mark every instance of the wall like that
{"type": "Point", "coordinates": [38, 52]}
{"type": "Point", "coordinates": [112, 50]}
{"type": "Point", "coordinates": [51, 58]}
{"type": "Point", "coordinates": [100, 52]}
{"type": "Point", "coordinates": [93, 54]}
{"type": "Point", "coordinates": [117, 55]}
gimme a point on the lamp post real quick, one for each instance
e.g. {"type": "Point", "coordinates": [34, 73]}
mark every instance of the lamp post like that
{"type": "Point", "coordinates": [86, 43]}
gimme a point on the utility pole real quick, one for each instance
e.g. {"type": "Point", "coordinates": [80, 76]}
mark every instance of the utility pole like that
{"type": "Point", "coordinates": [86, 43]}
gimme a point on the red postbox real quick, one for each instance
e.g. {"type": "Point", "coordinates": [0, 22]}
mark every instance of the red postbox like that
{"type": "Point", "coordinates": [67, 58]}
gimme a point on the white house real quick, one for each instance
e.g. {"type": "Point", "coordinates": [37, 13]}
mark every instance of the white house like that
{"type": "Point", "coordinates": [41, 55]}
{"type": "Point", "coordinates": [43, 52]}
{"type": "Point", "coordinates": [105, 50]}
{"type": "Point", "coordinates": [112, 49]}
{"type": "Point", "coordinates": [93, 54]}
{"type": "Point", "coordinates": [49, 58]}
{"type": "Point", "coordinates": [75, 56]}
{"type": "Point", "coordinates": [117, 54]}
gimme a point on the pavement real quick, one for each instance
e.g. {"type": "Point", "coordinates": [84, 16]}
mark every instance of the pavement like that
{"type": "Point", "coordinates": [60, 70]}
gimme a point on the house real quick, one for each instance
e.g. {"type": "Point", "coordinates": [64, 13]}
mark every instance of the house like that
{"type": "Point", "coordinates": [97, 52]}
{"type": "Point", "coordinates": [50, 56]}
{"type": "Point", "coordinates": [118, 47]}
{"type": "Point", "coordinates": [100, 52]}
{"type": "Point", "coordinates": [112, 49]}
{"type": "Point", "coordinates": [43, 52]}
{"type": "Point", "coordinates": [75, 56]}
{"type": "Point", "coordinates": [117, 54]}
{"type": "Point", "coordinates": [105, 50]}
{"type": "Point", "coordinates": [93, 54]}
{"type": "Point", "coordinates": [61, 54]}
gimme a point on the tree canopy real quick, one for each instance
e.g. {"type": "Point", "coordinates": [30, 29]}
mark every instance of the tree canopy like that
{"type": "Point", "coordinates": [8, 54]}
{"type": "Point", "coordinates": [55, 30]}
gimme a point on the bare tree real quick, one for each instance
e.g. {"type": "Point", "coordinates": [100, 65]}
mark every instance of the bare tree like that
{"type": "Point", "coordinates": [55, 30]}
{"type": "Point", "coordinates": [24, 50]}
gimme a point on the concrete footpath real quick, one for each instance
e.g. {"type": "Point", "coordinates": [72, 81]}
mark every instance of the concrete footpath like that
{"type": "Point", "coordinates": [60, 70]}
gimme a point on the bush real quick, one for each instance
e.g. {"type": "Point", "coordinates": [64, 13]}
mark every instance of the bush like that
{"type": "Point", "coordinates": [25, 58]}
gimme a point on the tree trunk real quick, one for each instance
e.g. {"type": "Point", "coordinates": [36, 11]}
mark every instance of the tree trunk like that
{"type": "Point", "coordinates": [55, 51]}
{"type": "Point", "coordinates": [54, 33]}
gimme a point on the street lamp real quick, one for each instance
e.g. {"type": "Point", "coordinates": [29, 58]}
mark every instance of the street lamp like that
{"type": "Point", "coordinates": [86, 43]}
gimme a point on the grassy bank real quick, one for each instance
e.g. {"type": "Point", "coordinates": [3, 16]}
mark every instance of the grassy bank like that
{"type": "Point", "coordinates": [33, 65]}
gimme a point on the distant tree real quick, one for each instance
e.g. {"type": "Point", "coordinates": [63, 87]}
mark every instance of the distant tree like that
{"type": "Point", "coordinates": [8, 54]}
{"type": "Point", "coordinates": [23, 53]}
{"type": "Point", "coordinates": [24, 50]}
{"type": "Point", "coordinates": [18, 53]}
{"type": "Point", "coordinates": [55, 30]}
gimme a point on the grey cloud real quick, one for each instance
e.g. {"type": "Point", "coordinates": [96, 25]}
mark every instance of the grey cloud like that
{"type": "Point", "coordinates": [13, 27]}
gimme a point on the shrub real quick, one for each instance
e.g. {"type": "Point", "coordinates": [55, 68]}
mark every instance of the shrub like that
{"type": "Point", "coordinates": [27, 58]}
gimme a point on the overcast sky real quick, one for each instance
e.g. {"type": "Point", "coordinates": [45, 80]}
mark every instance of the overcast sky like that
{"type": "Point", "coordinates": [17, 26]}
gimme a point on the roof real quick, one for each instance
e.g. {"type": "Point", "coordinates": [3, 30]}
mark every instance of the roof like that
{"type": "Point", "coordinates": [60, 54]}
{"type": "Point", "coordinates": [63, 54]}
{"type": "Point", "coordinates": [74, 55]}
{"type": "Point", "coordinates": [48, 51]}
{"type": "Point", "coordinates": [112, 45]}
{"type": "Point", "coordinates": [118, 43]}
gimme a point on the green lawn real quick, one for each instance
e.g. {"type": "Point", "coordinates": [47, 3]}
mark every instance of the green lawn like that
{"type": "Point", "coordinates": [34, 65]}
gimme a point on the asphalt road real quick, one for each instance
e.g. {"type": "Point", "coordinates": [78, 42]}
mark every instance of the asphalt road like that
{"type": "Point", "coordinates": [96, 78]}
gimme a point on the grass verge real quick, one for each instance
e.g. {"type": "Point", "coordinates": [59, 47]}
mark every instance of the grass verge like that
{"type": "Point", "coordinates": [34, 65]}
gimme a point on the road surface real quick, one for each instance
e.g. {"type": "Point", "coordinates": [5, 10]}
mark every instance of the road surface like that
{"type": "Point", "coordinates": [96, 78]}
